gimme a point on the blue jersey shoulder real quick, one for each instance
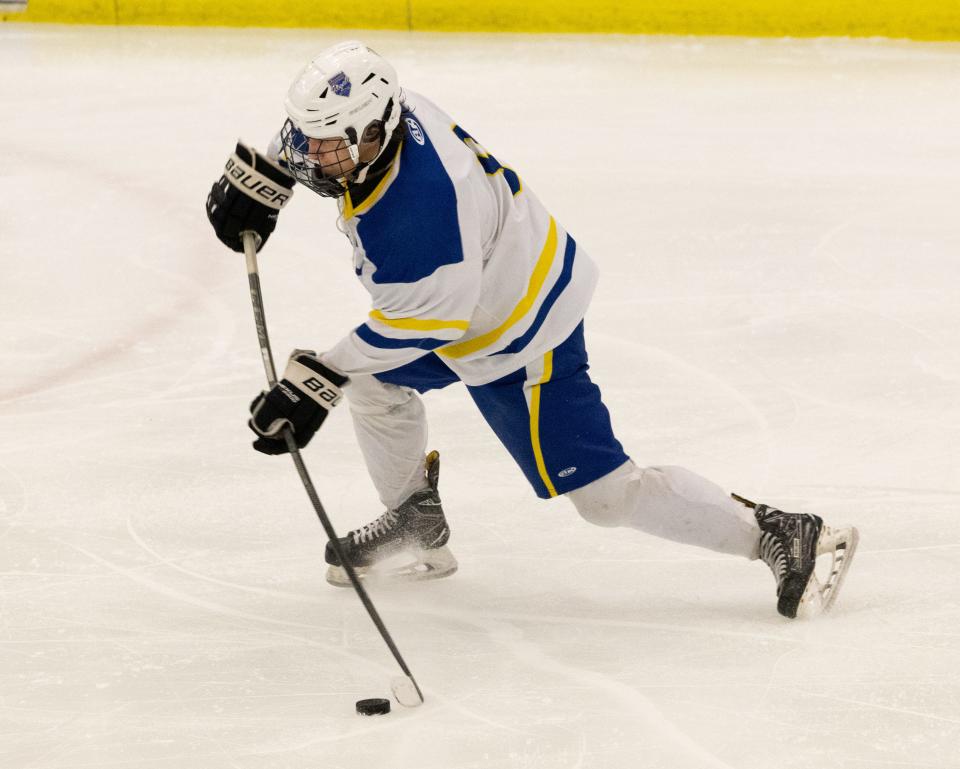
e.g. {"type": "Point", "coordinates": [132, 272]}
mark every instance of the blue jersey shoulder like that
{"type": "Point", "coordinates": [413, 229]}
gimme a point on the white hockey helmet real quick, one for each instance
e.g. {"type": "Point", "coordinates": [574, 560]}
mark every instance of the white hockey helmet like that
{"type": "Point", "coordinates": [337, 96]}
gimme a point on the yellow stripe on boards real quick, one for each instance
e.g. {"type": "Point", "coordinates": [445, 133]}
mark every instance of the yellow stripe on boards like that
{"type": "Point", "coordinates": [540, 272]}
{"type": "Point", "coordinates": [419, 324]}
{"type": "Point", "coordinates": [535, 423]}
{"type": "Point", "coordinates": [917, 19]}
{"type": "Point", "coordinates": [385, 14]}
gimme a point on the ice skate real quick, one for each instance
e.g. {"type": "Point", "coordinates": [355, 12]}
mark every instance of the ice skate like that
{"type": "Point", "coordinates": [789, 545]}
{"type": "Point", "coordinates": [407, 543]}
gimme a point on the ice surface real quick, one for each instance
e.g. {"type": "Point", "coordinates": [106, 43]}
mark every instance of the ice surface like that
{"type": "Point", "coordinates": [777, 226]}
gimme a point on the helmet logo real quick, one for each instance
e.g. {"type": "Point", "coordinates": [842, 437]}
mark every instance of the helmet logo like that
{"type": "Point", "coordinates": [340, 84]}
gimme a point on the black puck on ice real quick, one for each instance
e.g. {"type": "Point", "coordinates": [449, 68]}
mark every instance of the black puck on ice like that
{"type": "Point", "coordinates": [374, 707]}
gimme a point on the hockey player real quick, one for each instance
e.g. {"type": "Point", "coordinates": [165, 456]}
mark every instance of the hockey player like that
{"type": "Point", "coordinates": [472, 280]}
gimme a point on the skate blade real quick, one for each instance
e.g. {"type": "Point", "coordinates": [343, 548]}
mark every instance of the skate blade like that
{"type": "Point", "coordinates": [818, 597]}
{"type": "Point", "coordinates": [429, 564]}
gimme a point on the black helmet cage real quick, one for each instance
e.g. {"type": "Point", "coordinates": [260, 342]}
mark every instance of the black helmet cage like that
{"type": "Point", "coordinates": [327, 179]}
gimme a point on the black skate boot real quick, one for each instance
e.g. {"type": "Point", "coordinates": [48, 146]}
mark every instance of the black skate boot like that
{"type": "Point", "coordinates": [416, 533]}
{"type": "Point", "coordinates": [789, 545]}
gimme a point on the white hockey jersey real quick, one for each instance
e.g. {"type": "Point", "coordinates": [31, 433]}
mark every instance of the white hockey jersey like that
{"type": "Point", "coordinates": [459, 258]}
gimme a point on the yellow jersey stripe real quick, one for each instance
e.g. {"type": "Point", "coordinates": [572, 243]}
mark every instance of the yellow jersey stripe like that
{"type": "Point", "coordinates": [378, 191]}
{"type": "Point", "coordinates": [535, 423]}
{"type": "Point", "coordinates": [419, 324]}
{"type": "Point", "coordinates": [540, 272]}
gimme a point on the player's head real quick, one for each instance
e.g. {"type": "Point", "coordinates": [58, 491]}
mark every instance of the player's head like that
{"type": "Point", "coordinates": [342, 109]}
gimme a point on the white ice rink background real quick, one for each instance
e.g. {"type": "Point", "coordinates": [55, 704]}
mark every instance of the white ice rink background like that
{"type": "Point", "coordinates": [778, 230]}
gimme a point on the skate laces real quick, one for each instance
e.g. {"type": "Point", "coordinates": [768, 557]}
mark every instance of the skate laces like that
{"type": "Point", "coordinates": [376, 528]}
{"type": "Point", "coordinates": [773, 554]}
{"type": "Point", "coordinates": [782, 541]}
{"type": "Point", "coordinates": [772, 551]}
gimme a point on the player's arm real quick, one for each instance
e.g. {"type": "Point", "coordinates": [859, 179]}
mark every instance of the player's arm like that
{"type": "Point", "coordinates": [391, 337]}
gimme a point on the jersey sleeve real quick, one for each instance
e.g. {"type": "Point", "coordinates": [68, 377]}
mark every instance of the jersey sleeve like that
{"type": "Point", "coordinates": [273, 148]}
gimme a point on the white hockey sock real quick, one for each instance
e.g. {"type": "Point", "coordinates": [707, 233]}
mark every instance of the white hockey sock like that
{"type": "Point", "coordinates": [670, 502]}
{"type": "Point", "coordinates": [391, 427]}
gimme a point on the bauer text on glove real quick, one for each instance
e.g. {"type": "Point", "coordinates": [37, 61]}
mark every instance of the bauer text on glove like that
{"type": "Point", "coordinates": [300, 401]}
{"type": "Point", "coordinates": [248, 196]}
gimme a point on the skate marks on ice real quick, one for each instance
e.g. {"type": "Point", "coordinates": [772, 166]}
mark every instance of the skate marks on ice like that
{"type": "Point", "coordinates": [322, 598]}
{"type": "Point", "coordinates": [594, 692]}
{"type": "Point", "coordinates": [586, 688]}
{"type": "Point", "coordinates": [716, 693]}
{"type": "Point", "coordinates": [374, 674]}
{"type": "Point", "coordinates": [273, 593]}
{"type": "Point", "coordinates": [98, 338]}
{"type": "Point", "coordinates": [518, 696]}
{"type": "Point", "coordinates": [13, 497]}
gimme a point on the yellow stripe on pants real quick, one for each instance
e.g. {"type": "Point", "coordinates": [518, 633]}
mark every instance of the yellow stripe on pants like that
{"type": "Point", "coordinates": [535, 422]}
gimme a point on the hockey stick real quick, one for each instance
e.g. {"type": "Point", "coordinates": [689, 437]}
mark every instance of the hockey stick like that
{"type": "Point", "coordinates": [404, 687]}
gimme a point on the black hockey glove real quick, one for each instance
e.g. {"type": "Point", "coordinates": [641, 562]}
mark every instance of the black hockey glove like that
{"type": "Point", "coordinates": [248, 196]}
{"type": "Point", "coordinates": [301, 400]}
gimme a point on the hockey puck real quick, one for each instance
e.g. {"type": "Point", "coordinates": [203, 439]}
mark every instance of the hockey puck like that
{"type": "Point", "coordinates": [374, 707]}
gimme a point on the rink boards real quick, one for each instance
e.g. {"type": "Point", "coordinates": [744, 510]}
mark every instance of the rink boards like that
{"type": "Point", "coordinates": [919, 19]}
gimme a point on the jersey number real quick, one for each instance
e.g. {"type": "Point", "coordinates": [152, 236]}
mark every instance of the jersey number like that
{"type": "Point", "coordinates": [490, 164]}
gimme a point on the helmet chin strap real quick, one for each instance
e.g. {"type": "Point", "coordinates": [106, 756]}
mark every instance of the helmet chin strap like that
{"type": "Point", "coordinates": [359, 174]}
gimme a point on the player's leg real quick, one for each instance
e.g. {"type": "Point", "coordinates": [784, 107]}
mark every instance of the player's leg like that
{"type": "Point", "coordinates": [553, 421]}
{"type": "Point", "coordinates": [391, 427]}
{"type": "Point", "coordinates": [407, 541]}
{"type": "Point", "coordinates": [568, 447]}
{"type": "Point", "coordinates": [676, 504]}
{"type": "Point", "coordinates": [669, 502]}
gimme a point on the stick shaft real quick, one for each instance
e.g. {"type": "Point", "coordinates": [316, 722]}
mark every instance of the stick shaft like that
{"type": "Point", "coordinates": [256, 298]}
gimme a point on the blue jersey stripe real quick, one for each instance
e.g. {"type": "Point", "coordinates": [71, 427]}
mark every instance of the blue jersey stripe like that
{"type": "Point", "coordinates": [563, 280]}
{"type": "Point", "coordinates": [414, 228]}
{"type": "Point", "coordinates": [374, 339]}
{"type": "Point", "coordinates": [513, 181]}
